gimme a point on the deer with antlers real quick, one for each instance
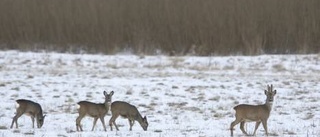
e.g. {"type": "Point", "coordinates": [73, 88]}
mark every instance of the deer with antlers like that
{"type": "Point", "coordinates": [254, 113]}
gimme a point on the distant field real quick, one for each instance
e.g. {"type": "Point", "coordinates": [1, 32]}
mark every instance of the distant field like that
{"type": "Point", "coordinates": [181, 96]}
{"type": "Point", "coordinates": [171, 27]}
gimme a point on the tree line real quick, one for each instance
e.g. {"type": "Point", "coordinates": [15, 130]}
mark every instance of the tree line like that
{"type": "Point", "coordinates": [175, 27]}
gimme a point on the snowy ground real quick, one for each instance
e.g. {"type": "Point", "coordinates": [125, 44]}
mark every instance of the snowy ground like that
{"type": "Point", "coordinates": [181, 96]}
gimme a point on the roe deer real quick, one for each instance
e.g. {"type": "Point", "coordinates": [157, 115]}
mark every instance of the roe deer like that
{"type": "Point", "coordinates": [95, 110]}
{"type": "Point", "coordinates": [254, 113]}
{"type": "Point", "coordinates": [128, 111]}
{"type": "Point", "coordinates": [31, 109]}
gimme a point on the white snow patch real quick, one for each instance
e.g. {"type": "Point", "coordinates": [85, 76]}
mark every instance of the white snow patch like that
{"type": "Point", "coordinates": [181, 96]}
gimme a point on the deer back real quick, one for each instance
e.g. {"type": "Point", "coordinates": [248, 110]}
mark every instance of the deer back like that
{"type": "Point", "coordinates": [252, 112]}
{"type": "Point", "coordinates": [125, 109]}
{"type": "Point", "coordinates": [96, 109]}
{"type": "Point", "coordinates": [129, 111]}
{"type": "Point", "coordinates": [29, 107]}
{"type": "Point", "coordinates": [257, 112]}
{"type": "Point", "coordinates": [93, 109]}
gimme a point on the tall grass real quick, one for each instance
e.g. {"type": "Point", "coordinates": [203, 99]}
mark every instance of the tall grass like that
{"type": "Point", "coordinates": [200, 27]}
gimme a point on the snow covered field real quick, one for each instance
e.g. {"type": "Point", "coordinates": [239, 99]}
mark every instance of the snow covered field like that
{"type": "Point", "coordinates": [181, 96]}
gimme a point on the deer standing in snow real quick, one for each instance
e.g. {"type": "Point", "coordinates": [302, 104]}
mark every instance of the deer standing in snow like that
{"type": "Point", "coordinates": [31, 109]}
{"type": "Point", "coordinates": [128, 111]}
{"type": "Point", "coordinates": [95, 110]}
{"type": "Point", "coordinates": [254, 113]}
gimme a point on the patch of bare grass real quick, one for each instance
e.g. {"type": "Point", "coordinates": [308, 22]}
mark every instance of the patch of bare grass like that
{"type": "Point", "coordinates": [300, 92]}
{"type": "Point", "coordinates": [177, 62]}
{"type": "Point", "coordinates": [289, 132]}
{"type": "Point", "coordinates": [61, 135]}
{"type": "Point", "coordinates": [3, 127]}
{"type": "Point", "coordinates": [228, 67]}
{"type": "Point", "coordinates": [129, 91]}
{"type": "Point", "coordinates": [284, 113]}
{"type": "Point", "coordinates": [193, 109]}
{"type": "Point", "coordinates": [153, 104]}
{"type": "Point", "coordinates": [273, 134]}
{"type": "Point", "coordinates": [68, 108]}
{"type": "Point", "coordinates": [279, 67]}
{"type": "Point", "coordinates": [16, 88]}
{"type": "Point", "coordinates": [56, 96]}
{"type": "Point", "coordinates": [89, 95]}
{"type": "Point", "coordinates": [29, 133]}
{"type": "Point", "coordinates": [70, 130]}
{"type": "Point", "coordinates": [218, 115]}
{"type": "Point", "coordinates": [16, 131]}
{"type": "Point", "coordinates": [286, 83]}
{"type": "Point", "coordinates": [14, 96]}
{"type": "Point", "coordinates": [30, 77]}
{"type": "Point", "coordinates": [216, 98]}
{"type": "Point", "coordinates": [308, 116]}
{"type": "Point", "coordinates": [144, 93]}
{"type": "Point", "coordinates": [175, 87]}
{"type": "Point", "coordinates": [158, 131]}
{"type": "Point", "coordinates": [177, 105]}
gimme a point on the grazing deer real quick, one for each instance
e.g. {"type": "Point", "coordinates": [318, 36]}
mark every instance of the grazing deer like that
{"type": "Point", "coordinates": [254, 113]}
{"type": "Point", "coordinates": [95, 110]}
{"type": "Point", "coordinates": [31, 109]}
{"type": "Point", "coordinates": [126, 110]}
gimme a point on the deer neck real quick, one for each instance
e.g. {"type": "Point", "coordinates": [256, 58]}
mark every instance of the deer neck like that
{"type": "Point", "coordinates": [268, 105]}
{"type": "Point", "coordinates": [139, 118]}
{"type": "Point", "coordinates": [106, 104]}
{"type": "Point", "coordinates": [40, 114]}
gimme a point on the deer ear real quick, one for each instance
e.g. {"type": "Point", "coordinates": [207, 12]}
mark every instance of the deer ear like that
{"type": "Point", "coordinates": [145, 117]}
{"type": "Point", "coordinates": [104, 93]}
{"type": "Point", "coordinates": [265, 92]}
{"type": "Point", "coordinates": [275, 91]}
{"type": "Point", "coordinates": [111, 93]}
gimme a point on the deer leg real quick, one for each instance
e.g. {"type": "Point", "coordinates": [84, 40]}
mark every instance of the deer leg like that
{"type": "Point", "coordinates": [264, 123]}
{"type": "Point", "coordinates": [15, 119]}
{"type": "Point", "coordinates": [78, 122]}
{"type": "Point", "coordinates": [38, 121]}
{"type": "Point", "coordinates": [94, 123]}
{"type": "Point", "coordinates": [237, 121]}
{"type": "Point", "coordinates": [242, 128]}
{"type": "Point", "coordinates": [103, 124]}
{"type": "Point", "coordinates": [32, 119]}
{"type": "Point", "coordinates": [112, 121]}
{"type": "Point", "coordinates": [131, 124]}
{"type": "Point", "coordinates": [256, 127]}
